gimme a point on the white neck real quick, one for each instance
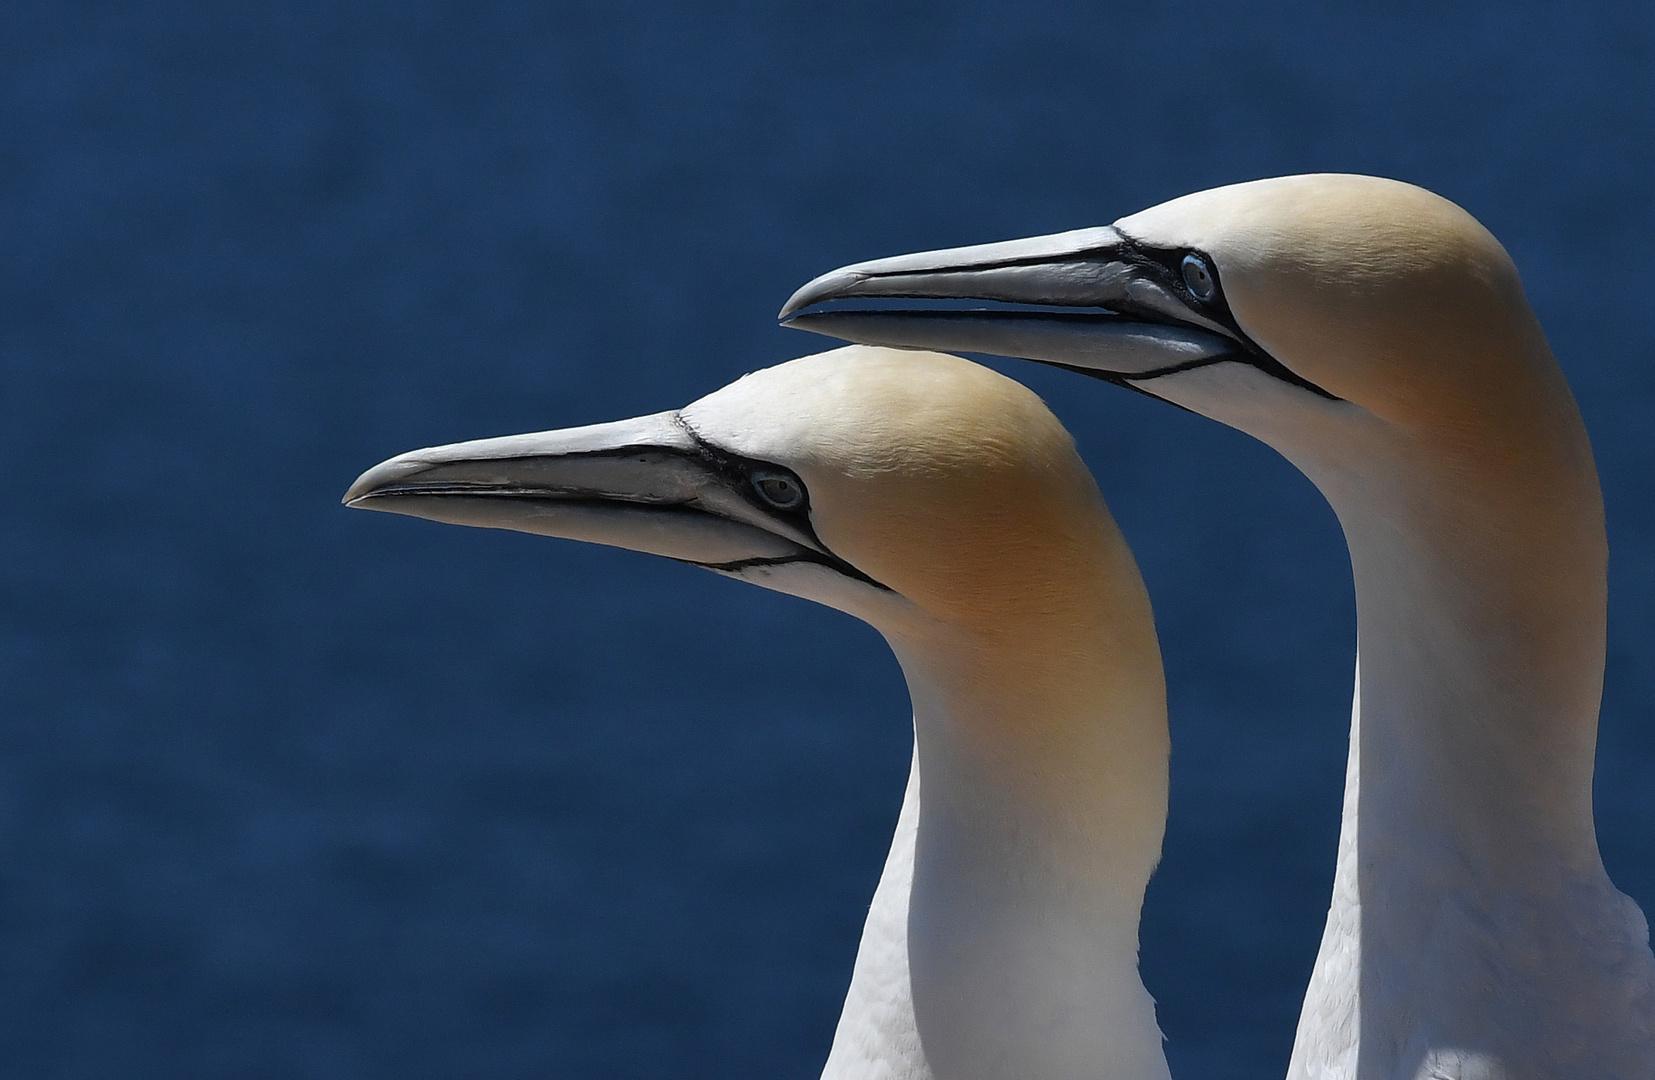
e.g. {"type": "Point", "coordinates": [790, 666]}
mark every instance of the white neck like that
{"type": "Point", "coordinates": [1003, 939]}
{"type": "Point", "coordinates": [1473, 932]}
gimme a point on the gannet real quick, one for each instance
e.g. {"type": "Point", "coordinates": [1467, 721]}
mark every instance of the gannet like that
{"type": "Point", "coordinates": [943, 504]}
{"type": "Point", "coordinates": [1378, 337]}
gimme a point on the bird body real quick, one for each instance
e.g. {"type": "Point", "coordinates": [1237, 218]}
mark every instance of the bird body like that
{"type": "Point", "coordinates": [943, 504]}
{"type": "Point", "coordinates": [1378, 337]}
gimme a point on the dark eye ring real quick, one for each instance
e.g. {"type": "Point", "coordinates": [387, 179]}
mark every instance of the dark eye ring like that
{"type": "Point", "coordinates": [1199, 278]}
{"type": "Point", "coordinates": [778, 489]}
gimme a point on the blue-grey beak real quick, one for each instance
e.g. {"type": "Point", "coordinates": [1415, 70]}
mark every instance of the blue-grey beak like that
{"type": "Point", "coordinates": [649, 484]}
{"type": "Point", "coordinates": [1123, 314]}
{"type": "Point", "coordinates": [646, 484]}
{"type": "Point", "coordinates": [1095, 301]}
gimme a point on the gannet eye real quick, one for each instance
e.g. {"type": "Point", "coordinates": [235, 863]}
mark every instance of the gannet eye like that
{"type": "Point", "coordinates": [778, 489]}
{"type": "Point", "coordinates": [1199, 278]}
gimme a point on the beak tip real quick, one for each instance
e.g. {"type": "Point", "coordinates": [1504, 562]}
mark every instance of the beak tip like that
{"type": "Point", "coordinates": [815, 323]}
{"type": "Point", "coordinates": [830, 286]}
{"type": "Point", "coordinates": [798, 300]}
{"type": "Point", "coordinates": [389, 471]}
{"type": "Point", "coordinates": [358, 494]}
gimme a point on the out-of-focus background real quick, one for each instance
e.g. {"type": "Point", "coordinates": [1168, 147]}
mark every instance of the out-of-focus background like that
{"type": "Point", "coordinates": [293, 791]}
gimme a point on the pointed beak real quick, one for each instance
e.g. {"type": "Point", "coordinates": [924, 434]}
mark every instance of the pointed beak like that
{"type": "Point", "coordinates": [646, 484]}
{"type": "Point", "coordinates": [1121, 315]}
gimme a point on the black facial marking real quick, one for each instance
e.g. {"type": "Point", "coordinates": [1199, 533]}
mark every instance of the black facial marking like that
{"type": "Point", "coordinates": [1168, 267]}
{"type": "Point", "coordinates": [743, 475]}
{"type": "Point", "coordinates": [832, 562]}
{"type": "Point", "coordinates": [738, 472]}
{"type": "Point", "coordinates": [1188, 274]}
{"type": "Point", "coordinates": [1123, 381]}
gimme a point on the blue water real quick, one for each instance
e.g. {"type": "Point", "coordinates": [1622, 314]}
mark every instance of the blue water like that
{"type": "Point", "coordinates": [292, 791]}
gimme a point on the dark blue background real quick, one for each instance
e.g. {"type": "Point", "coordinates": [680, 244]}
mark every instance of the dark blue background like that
{"type": "Point", "coordinates": [287, 790]}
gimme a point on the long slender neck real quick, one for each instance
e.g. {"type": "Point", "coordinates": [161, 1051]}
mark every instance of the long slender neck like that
{"type": "Point", "coordinates": [1473, 931]}
{"type": "Point", "coordinates": [1481, 625]}
{"type": "Point", "coordinates": [1012, 895]}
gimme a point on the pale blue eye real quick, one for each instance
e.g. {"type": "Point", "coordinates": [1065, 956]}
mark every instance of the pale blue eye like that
{"type": "Point", "coordinates": [1198, 278]}
{"type": "Point", "coordinates": [778, 489]}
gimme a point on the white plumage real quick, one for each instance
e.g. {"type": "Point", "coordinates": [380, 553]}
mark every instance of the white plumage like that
{"type": "Point", "coordinates": [1378, 337]}
{"type": "Point", "coordinates": [943, 504]}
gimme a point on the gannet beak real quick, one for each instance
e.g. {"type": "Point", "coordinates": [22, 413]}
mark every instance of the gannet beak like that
{"type": "Point", "coordinates": [1140, 325]}
{"type": "Point", "coordinates": [647, 484]}
{"type": "Point", "coordinates": [1146, 318]}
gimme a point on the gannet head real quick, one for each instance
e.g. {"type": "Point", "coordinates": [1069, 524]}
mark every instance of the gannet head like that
{"type": "Point", "coordinates": [905, 488]}
{"type": "Point", "coordinates": [945, 505]}
{"type": "Point", "coordinates": [1325, 314]}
